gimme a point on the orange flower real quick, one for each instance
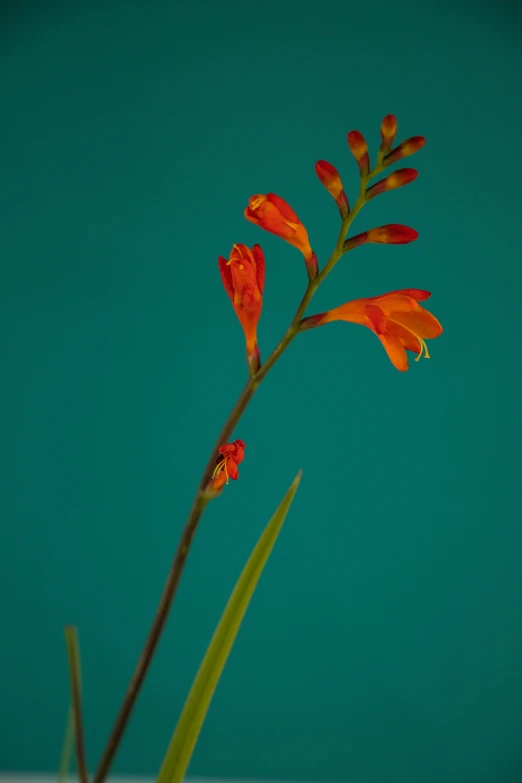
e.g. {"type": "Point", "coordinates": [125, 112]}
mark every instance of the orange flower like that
{"type": "Point", "coordinates": [276, 216]}
{"type": "Point", "coordinates": [230, 455]}
{"type": "Point", "coordinates": [243, 277]}
{"type": "Point", "coordinates": [396, 318]}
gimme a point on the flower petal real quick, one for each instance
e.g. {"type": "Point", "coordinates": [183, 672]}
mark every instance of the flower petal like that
{"type": "Point", "coordinates": [376, 318]}
{"type": "Point", "coordinates": [232, 470]}
{"type": "Point", "coordinates": [240, 252]}
{"type": "Point", "coordinates": [415, 293]}
{"type": "Point", "coordinates": [397, 303]}
{"type": "Point", "coordinates": [259, 258]}
{"type": "Point", "coordinates": [420, 321]}
{"type": "Point", "coordinates": [407, 338]}
{"type": "Point", "coordinates": [272, 219]}
{"type": "Point", "coordinates": [395, 350]}
{"type": "Point", "coordinates": [226, 276]}
{"type": "Point", "coordinates": [284, 208]}
{"type": "Point", "coordinates": [354, 312]}
{"type": "Point", "coordinates": [239, 453]}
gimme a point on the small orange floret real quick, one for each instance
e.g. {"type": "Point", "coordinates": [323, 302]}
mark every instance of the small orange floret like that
{"type": "Point", "coordinates": [273, 214]}
{"type": "Point", "coordinates": [397, 319]}
{"type": "Point", "coordinates": [243, 276]}
{"type": "Point", "coordinates": [230, 456]}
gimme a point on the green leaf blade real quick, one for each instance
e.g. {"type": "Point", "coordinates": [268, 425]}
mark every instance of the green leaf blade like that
{"type": "Point", "coordinates": [198, 701]}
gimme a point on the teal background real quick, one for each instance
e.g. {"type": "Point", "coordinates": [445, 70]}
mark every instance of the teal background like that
{"type": "Point", "coordinates": [384, 644]}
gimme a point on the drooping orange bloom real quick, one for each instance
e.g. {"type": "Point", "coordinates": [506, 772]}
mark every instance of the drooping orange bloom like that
{"type": "Point", "coordinates": [243, 276]}
{"type": "Point", "coordinates": [272, 213]}
{"type": "Point", "coordinates": [397, 319]}
{"type": "Point", "coordinates": [231, 455]}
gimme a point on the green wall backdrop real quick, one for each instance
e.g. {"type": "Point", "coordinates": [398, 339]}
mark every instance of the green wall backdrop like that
{"type": "Point", "coordinates": [384, 644]}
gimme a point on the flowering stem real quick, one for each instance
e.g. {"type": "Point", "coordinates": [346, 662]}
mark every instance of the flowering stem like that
{"type": "Point", "coordinates": [202, 497]}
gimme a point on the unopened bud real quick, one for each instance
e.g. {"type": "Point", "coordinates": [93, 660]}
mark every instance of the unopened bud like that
{"type": "Point", "coordinates": [391, 234]}
{"type": "Point", "coordinates": [408, 147]}
{"type": "Point", "coordinates": [388, 132]}
{"type": "Point", "coordinates": [396, 180]}
{"type": "Point", "coordinates": [330, 178]}
{"type": "Point", "coordinates": [359, 150]}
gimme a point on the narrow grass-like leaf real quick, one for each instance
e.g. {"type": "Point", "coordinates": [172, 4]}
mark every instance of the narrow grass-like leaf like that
{"type": "Point", "coordinates": [191, 720]}
{"type": "Point", "coordinates": [67, 748]}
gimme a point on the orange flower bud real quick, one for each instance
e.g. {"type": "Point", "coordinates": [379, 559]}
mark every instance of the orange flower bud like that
{"type": "Point", "coordinates": [388, 132]}
{"type": "Point", "coordinates": [408, 147]}
{"type": "Point", "coordinates": [359, 150]}
{"type": "Point", "coordinates": [329, 176]}
{"type": "Point", "coordinates": [391, 234]}
{"type": "Point", "coordinates": [393, 181]}
{"type": "Point", "coordinates": [272, 213]}
{"type": "Point", "coordinates": [243, 277]}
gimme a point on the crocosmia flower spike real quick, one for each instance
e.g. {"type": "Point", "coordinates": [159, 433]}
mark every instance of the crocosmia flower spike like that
{"type": "Point", "coordinates": [397, 319]}
{"type": "Point", "coordinates": [243, 276]}
{"type": "Point", "coordinates": [272, 213]}
{"type": "Point", "coordinates": [230, 456]}
{"type": "Point", "coordinates": [330, 178]}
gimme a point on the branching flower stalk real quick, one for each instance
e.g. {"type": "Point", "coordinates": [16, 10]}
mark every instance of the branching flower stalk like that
{"type": "Point", "coordinates": [396, 318]}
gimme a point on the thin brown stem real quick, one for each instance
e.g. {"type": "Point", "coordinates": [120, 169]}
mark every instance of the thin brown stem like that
{"type": "Point", "coordinates": [202, 498]}
{"type": "Point", "coordinates": [73, 655]}
{"type": "Point", "coordinates": [170, 588]}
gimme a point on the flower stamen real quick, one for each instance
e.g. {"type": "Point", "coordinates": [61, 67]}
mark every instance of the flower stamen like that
{"type": "Point", "coordinates": [219, 467]}
{"type": "Point", "coordinates": [423, 347]}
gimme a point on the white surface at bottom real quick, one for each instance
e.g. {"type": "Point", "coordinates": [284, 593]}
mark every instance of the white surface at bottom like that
{"type": "Point", "coordinates": [19, 777]}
